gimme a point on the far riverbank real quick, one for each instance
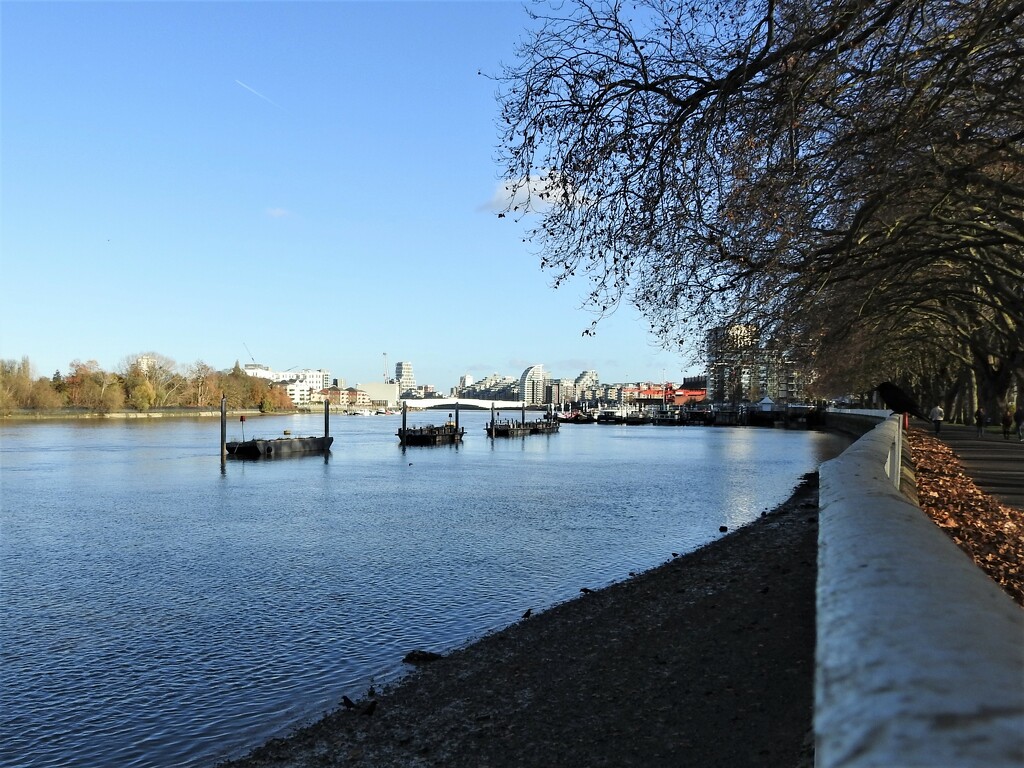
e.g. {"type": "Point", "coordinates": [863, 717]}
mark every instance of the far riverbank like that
{"type": "Point", "coordinates": [68, 414]}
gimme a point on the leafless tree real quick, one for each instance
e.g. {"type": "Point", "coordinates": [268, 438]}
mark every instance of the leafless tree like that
{"type": "Point", "coordinates": [819, 169]}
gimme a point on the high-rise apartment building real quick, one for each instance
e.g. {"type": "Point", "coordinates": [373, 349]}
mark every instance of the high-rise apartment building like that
{"type": "Point", "coordinates": [741, 369]}
{"type": "Point", "coordinates": [531, 385]}
{"type": "Point", "coordinates": [587, 380]}
{"type": "Point", "coordinates": [404, 377]}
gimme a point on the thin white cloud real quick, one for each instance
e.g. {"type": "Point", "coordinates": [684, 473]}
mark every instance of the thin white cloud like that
{"type": "Point", "coordinates": [531, 195]}
{"type": "Point", "coordinates": [253, 90]}
{"type": "Point", "coordinates": [278, 213]}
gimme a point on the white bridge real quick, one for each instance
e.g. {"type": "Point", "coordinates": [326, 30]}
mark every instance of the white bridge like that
{"type": "Point", "coordinates": [450, 402]}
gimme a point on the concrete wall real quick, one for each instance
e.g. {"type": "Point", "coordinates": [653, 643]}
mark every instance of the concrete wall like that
{"type": "Point", "coordinates": [920, 656]}
{"type": "Point", "coordinates": [854, 422]}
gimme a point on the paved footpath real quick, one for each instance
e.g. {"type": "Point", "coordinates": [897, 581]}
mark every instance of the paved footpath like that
{"type": "Point", "coordinates": [996, 465]}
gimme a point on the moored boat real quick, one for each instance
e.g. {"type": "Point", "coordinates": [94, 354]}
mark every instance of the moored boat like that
{"type": "Point", "coordinates": [281, 446]}
{"type": "Point", "coordinates": [577, 417]}
{"type": "Point", "coordinates": [510, 428]}
{"type": "Point", "coordinates": [611, 416]}
{"type": "Point", "coordinates": [448, 433]}
{"type": "Point", "coordinates": [431, 435]}
{"type": "Point", "coordinates": [260, 448]}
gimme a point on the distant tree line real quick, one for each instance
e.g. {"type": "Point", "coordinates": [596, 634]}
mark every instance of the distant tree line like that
{"type": "Point", "coordinates": [845, 175]}
{"type": "Point", "coordinates": [158, 382]}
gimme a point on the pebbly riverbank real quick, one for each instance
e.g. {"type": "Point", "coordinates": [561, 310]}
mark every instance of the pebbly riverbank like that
{"type": "Point", "coordinates": [706, 660]}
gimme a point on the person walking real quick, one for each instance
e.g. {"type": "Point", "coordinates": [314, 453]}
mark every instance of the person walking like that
{"type": "Point", "coordinates": [979, 421]}
{"type": "Point", "coordinates": [1007, 423]}
{"type": "Point", "coordinates": [1018, 420]}
{"type": "Point", "coordinates": [937, 415]}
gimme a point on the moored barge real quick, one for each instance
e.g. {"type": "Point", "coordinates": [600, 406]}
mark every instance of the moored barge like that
{"type": "Point", "coordinates": [447, 434]}
{"type": "Point", "coordinates": [511, 428]}
{"type": "Point", "coordinates": [430, 435]}
{"type": "Point", "coordinates": [280, 446]}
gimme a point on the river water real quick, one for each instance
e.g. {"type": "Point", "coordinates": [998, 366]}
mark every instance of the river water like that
{"type": "Point", "coordinates": [159, 611]}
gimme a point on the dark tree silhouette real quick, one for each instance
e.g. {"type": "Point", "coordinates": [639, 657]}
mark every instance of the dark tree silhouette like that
{"type": "Point", "coordinates": [818, 169]}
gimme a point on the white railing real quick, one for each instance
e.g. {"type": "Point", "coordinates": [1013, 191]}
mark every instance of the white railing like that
{"type": "Point", "coordinates": [920, 656]}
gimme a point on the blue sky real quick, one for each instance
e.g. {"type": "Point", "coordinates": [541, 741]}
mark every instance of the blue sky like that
{"type": "Point", "coordinates": [312, 182]}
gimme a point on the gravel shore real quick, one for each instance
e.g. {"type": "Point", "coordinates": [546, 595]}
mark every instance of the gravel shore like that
{"type": "Point", "coordinates": [707, 660]}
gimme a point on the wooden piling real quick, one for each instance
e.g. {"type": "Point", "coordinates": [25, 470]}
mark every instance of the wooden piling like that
{"type": "Point", "coordinates": [223, 428]}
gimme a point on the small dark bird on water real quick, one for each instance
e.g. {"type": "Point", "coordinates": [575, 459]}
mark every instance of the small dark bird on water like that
{"type": "Point", "coordinates": [898, 401]}
{"type": "Point", "coordinates": [528, 614]}
{"type": "Point", "coordinates": [586, 590]}
{"type": "Point", "coordinates": [349, 704]}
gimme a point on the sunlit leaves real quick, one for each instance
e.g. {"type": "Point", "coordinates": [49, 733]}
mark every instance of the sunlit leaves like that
{"type": "Point", "coordinates": [991, 533]}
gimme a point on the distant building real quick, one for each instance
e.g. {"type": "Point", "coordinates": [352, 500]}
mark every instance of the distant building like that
{"type": "Point", "coordinates": [259, 371]}
{"type": "Point", "coordinates": [587, 380]}
{"type": "Point", "coordinates": [531, 385]}
{"type": "Point", "coordinates": [558, 391]}
{"type": "Point", "coordinates": [357, 398]}
{"type": "Point", "coordinates": [405, 377]}
{"type": "Point", "coordinates": [334, 395]}
{"type": "Point", "coordinates": [381, 395]}
{"type": "Point", "coordinates": [303, 387]}
{"type": "Point", "coordinates": [740, 369]}
{"type": "Point", "coordinates": [493, 387]}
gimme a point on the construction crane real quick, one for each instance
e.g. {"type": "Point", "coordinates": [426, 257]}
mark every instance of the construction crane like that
{"type": "Point", "coordinates": [385, 367]}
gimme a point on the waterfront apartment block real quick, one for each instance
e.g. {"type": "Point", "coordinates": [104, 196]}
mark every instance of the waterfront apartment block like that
{"type": "Point", "coordinates": [531, 385]}
{"type": "Point", "coordinates": [405, 377]}
{"type": "Point", "coordinates": [303, 387]}
{"type": "Point", "coordinates": [740, 368]}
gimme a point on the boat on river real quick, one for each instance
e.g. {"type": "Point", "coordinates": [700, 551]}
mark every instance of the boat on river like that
{"type": "Point", "coordinates": [449, 433]}
{"type": "Point", "coordinates": [512, 428]}
{"type": "Point", "coordinates": [577, 417]}
{"type": "Point", "coordinates": [280, 446]}
{"type": "Point", "coordinates": [498, 427]}
{"type": "Point", "coordinates": [267, 448]}
{"type": "Point", "coordinates": [611, 416]}
{"type": "Point", "coordinates": [431, 435]}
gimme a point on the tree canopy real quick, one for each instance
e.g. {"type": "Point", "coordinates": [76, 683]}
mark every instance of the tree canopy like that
{"type": "Point", "coordinates": [846, 175]}
{"type": "Point", "coordinates": [159, 383]}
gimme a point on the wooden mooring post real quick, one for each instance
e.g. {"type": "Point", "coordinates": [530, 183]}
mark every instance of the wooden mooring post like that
{"type": "Point", "coordinates": [223, 428]}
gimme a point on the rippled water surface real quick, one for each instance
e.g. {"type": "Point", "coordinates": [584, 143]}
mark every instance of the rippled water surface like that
{"type": "Point", "coordinates": [156, 611]}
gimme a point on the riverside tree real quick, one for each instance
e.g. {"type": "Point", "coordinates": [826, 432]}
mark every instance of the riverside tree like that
{"type": "Point", "coordinates": [157, 384]}
{"type": "Point", "coordinates": [844, 174]}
